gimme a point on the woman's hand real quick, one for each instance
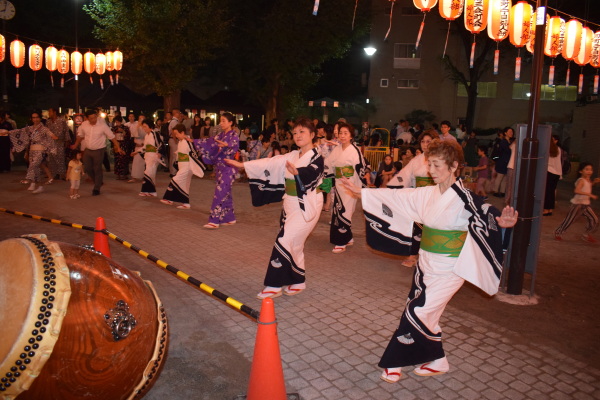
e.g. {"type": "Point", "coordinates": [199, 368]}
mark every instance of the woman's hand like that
{"type": "Point", "coordinates": [508, 219]}
{"type": "Point", "coordinates": [234, 163]}
{"type": "Point", "coordinates": [291, 168]}
{"type": "Point", "coordinates": [349, 186]}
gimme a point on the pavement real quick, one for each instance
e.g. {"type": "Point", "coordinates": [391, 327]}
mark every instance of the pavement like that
{"type": "Point", "coordinates": [331, 336]}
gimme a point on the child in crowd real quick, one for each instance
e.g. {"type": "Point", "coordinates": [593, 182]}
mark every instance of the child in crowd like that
{"type": "Point", "coordinates": [483, 173]}
{"type": "Point", "coordinates": [74, 173]}
{"type": "Point", "coordinates": [580, 204]}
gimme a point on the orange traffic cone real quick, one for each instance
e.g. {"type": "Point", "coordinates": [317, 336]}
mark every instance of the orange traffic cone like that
{"type": "Point", "coordinates": [266, 375]}
{"type": "Point", "coordinates": [100, 238]}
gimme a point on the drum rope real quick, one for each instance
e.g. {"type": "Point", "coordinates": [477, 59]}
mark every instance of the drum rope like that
{"type": "Point", "coordinates": [168, 267]}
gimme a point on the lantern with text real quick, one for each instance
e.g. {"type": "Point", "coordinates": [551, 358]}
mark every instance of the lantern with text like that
{"type": "Point", "coordinates": [498, 22]}
{"type": "Point", "coordinates": [585, 53]}
{"type": "Point", "coordinates": [63, 65]}
{"type": "Point", "coordinates": [110, 65]}
{"type": "Point", "coordinates": [519, 28]}
{"type": "Point", "coordinates": [595, 58]}
{"type": "Point", "coordinates": [51, 61]}
{"type": "Point", "coordinates": [2, 48]}
{"type": "Point", "coordinates": [475, 21]}
{"type": "Point", "coordinates": [118, 63]}
{"type": "Point", "coordinates": [89, 64]}
{"type": "Point", "coordinates": [425, 6]}
{"type": "Point", "coordinates": [17, 56]}
{"type": "Point", "coordinates": [553, 44]}
{"type": "Point", "coordinates": [101, 67]}
{"type": "Point", "coordinates": [571, 44]}
{"type": "Point", "coordinates": [36, 57]}
{"type": "Point", "coordinates": [450, 10]}
{"type": "Point", "coordinates": [531, 42]}
{"type": "Point", "coordinates": [76, 63]}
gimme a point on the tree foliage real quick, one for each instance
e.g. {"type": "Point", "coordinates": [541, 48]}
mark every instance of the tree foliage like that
{"type": "Point", "coordinates": [277, 46]}
{"type": "Point", "coordinates": [163, 42]}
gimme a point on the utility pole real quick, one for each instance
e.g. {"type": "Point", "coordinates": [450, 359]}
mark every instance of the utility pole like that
{"type": "Point", "coordinates": [529, 163]}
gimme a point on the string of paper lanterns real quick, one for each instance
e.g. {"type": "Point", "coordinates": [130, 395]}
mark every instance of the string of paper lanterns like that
{"type": "Point", "coordinates": [62, 61]}
{"type": "Point", "coordinates": [502, 19]}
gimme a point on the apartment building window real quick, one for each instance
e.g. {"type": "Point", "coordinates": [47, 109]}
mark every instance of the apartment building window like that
{"type": "Point", "coordinates": [407, 56]}
{"type": "Point", "coordinates": [521, 91]}
{"type": "Point", "coordinates": [384, 82]}
{"type": "Point", "coordinates": [484, 90]}
{"type": "Point", "coordinates": [408, 84]}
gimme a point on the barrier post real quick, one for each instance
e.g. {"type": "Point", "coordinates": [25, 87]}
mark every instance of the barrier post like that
{"type": "Point", "coordinates": [100, 238]}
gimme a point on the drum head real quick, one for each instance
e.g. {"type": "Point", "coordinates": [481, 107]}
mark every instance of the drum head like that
{"type": "Point", "coordinates": [17, 282]}
{"type": "Point", "coordinates": [34, 292]}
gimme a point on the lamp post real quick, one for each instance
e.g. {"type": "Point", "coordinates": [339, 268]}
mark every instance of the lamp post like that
{"type": "Point", "coordinates": [369, 51]}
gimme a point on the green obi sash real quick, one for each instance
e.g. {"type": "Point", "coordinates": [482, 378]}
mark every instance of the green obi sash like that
{"type": "Point", "coordinates": [290, 187]}
{"type": "Point", "coordinates": [421, 181]}
{"type": "Point", "coordinates": [346, 171]}
{"type": "Point", "coordinates": [182, 157]}
{"type": "Point", "coordinates": [443, 242]}
{"type": "Point", "coordinates": [150, 148]}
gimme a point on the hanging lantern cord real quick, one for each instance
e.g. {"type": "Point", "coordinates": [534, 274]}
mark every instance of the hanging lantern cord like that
{"type": "Point", "coordinates": [447, 36]}
{"type": "Point", "coordinates": [390, 27]}
{"type": "Point", "coordinates": [354, 16]}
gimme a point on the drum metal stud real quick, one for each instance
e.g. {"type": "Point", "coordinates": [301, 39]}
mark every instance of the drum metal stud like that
{"type": "Point", "coordinates": [120, 320]}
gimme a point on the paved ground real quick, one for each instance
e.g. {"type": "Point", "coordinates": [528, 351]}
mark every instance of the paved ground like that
{"type": "Point", "coordinates": [332, 335]}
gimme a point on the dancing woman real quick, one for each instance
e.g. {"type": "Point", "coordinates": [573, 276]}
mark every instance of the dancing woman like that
{"type": "Point", "coordinates": [344, 161]}
{"type": "Point", "coordinates": [462, 240]}
{"type": "Point", "coordinates": [294, 177]}
{"type": "Point", "coordinates": [416, 174]}
{"type": "Point", "coordinates": [188, 164]}
{"type": "Point", "coordinates": [215, 151]}
{"type": "Point", "coordinates": [39, 140]}
{"type": "Point", "coordinates": [150, 152]}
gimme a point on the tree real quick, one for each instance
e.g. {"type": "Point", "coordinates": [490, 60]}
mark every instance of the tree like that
{"type": "Point", "coordinates": [164, 42]}
{"type": "Point", "coordinates": [278, 46]}
{"type": "Point", "coordinates": [469, 80]}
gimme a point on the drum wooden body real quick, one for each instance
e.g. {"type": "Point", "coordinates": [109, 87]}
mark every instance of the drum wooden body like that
{"type": "Point", "coordinates": [75, 324]}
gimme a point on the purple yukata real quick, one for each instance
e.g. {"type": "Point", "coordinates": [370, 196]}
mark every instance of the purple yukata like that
{"type": "Point", "coordinates": [221, 211]}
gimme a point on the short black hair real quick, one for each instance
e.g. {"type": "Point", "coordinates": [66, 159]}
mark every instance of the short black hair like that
{"type": "Point", "coordinates": [90, 112]}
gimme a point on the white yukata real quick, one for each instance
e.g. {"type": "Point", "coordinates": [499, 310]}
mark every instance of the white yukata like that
{"type": "Point", "coordinates": [270, 181]}
{"type": "Point", "coordinates": [151, 155]}
{"type": "Point", "coordinates": [390, 214]}
{"type": "Point", "coordinates": [414, 174]}
{"type": "Point", "coordinates": [351, 164]}
{"type": "Point", "coordinates": [188, 164]}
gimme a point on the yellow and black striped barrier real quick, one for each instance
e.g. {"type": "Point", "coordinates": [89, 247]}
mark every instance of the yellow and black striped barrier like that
{"type": "Point", "coordinates": [180, 274]}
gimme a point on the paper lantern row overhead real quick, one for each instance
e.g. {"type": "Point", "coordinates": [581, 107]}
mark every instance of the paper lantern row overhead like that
{"type": "Point", "coordinates": [519, 30]}
{"type": "Point", "coordinates": [497, 27]}
{"type": "Point", "coordinates": [61, 60]}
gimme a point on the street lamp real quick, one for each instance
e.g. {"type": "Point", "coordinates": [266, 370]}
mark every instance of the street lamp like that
{"type": "Point", "coordinates": [369, 50]}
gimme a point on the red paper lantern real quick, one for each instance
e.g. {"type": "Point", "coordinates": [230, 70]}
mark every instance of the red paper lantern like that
{"type": "Point", "coordinates": [555, 28]}
{"type": "Point", "coordinates": [498, 23]}
{"type": "Point", "coordinates": [51, 59]}
{"type": "Point", "coordinates": [519, 30]}
{"type": "Point", "coordinates": [89, 64]}
{"type": "Point", "coordinates": [17, 56]}
{"type": "Point", "coordinates": [424, 6]}
{"type": "Point", "coordinates": [36, 57]}
{"type": "Point", "coordinates": [63, 65]}
{"type": "Point", "coordinates": [585, 47]}
{"type": "Point", "coordinates": [110, 65]}
{"type": "Point", "coordinates": [101, 67]}
{"type": "Point", "coordinates": [475, 20]}
{"type": "Point", "coordinates": [595, 58]}
{"type": "Point", "coordinates": [76, 63]}
{"type": "Point", "coordinates": [450, 10]}
{"type": "Point", "coordinates": [118, 63]}
{"type": "Point", "coordinates": [2, 48]}
{"type": "Point", "coordinates": [531, 42]}
{"type": "Point", "coordinates": [572, 42]}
